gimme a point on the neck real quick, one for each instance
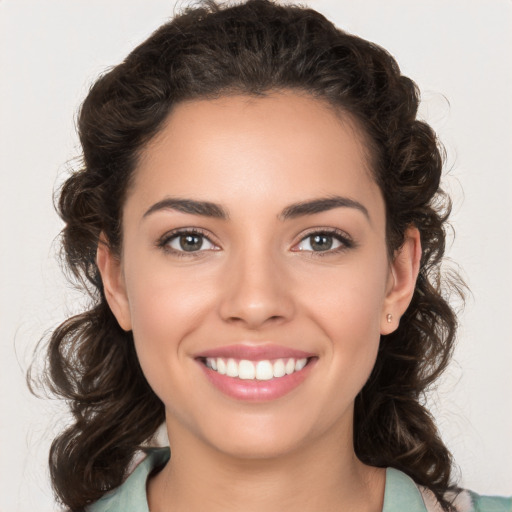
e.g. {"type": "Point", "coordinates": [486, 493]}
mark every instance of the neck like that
{"type": "Point", "coordinates": [310, 479]}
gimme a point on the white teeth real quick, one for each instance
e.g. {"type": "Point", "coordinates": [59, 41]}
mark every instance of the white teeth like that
{"type": "Point", "coordinates": [221, 366]}
{"type": "Point", "coordinates": [259, 370]}
{"type": "Point", "coordinates": [278, 369]}
{"type": "Point", "coordinates": [300, 364]}
{"type": "Point", "coordinates": [264, 370]}
{"type": "Point", "coordinates": [246, 370]}
{"type": "Point", "coordinates": [232, 368]}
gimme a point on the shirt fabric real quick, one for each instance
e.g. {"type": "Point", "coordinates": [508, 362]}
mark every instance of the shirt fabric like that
{"type": "Point", "coordinates": [401, 493]}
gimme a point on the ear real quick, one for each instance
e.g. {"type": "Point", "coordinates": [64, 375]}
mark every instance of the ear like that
{"type": "Point", "coordinates": [402, 281]}
{"type": "Point", "coordinates": [112, 276]}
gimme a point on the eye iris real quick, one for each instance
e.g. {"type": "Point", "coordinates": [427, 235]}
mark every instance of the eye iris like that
{"type": "Point", "coordinates": [191, 242]}
{"type": "Point", "coordinates": [321, 242]}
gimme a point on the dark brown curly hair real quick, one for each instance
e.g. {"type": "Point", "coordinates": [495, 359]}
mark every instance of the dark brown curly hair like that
{"type": "Point", "coordinates": [252, 48]}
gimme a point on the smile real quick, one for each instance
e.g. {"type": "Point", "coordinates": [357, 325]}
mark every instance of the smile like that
{"type": "Point", "coordinates": [262, 370]}
{"type": "Point", "coordinates": [256, 372]}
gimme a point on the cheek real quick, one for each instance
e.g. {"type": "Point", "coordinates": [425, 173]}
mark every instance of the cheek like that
{"type": "Point", "coordinates": [165, 300]}
{"type": "Point", "coordinates": [349, 299]}
{"type": "Point", "coordinates": [349, 312]}
{"type": "Point", "coordinates": [165, 307]}
{"type": "Point", "coordinates": [352, 324]}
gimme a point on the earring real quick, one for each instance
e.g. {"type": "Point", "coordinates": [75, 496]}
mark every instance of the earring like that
{"type": "Point", "coordinates": [389, 318]}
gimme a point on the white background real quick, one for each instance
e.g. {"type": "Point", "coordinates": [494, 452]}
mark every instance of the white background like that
{"type": "Point", "coordinates": [460, 54]}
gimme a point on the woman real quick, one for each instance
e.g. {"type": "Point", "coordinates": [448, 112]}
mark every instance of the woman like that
{"type": "Point", "coordinates": [260, 223]}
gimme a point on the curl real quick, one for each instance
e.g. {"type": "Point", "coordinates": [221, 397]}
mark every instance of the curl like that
{"type": "Point", "coordinates": [252, 48]}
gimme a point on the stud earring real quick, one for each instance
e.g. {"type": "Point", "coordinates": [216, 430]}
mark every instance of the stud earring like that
{"type": "Point", "coordinates": [389, 318]}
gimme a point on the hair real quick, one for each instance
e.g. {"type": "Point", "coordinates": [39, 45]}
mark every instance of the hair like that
{"type": "Point", "coordinates": [253, 48]}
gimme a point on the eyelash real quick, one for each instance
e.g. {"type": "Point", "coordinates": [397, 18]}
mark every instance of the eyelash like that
{"type": "Point", "coordinates": [164, 241]}
{"type": "Point", "coordinates": [342, 237]}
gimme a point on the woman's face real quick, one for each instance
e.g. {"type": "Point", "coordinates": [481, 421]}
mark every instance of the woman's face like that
{"type": "Point", "coordinates": [254, 243]}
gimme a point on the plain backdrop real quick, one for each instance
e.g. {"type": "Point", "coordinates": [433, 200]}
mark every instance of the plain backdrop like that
{"type": "Point", "coordinates": [460, 54]}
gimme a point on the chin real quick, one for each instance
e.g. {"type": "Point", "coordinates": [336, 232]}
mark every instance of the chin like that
{"type": "Point", "coordinates": [258, 448]}
{"type": "Point", "coordinates": [264, 437]}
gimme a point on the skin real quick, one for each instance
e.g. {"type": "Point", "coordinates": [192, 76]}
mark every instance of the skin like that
{"type": "Point", "coordinates": [258, 280]}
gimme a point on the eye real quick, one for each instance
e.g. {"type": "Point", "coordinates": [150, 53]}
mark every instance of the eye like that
{"type": "Point", "coordinates": [324, 241]}
{"type": "Point", "coordinates": [189, 241]}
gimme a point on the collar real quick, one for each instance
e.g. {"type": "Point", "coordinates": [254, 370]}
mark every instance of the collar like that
{"type": "Point", "coordinates": [401, 493]}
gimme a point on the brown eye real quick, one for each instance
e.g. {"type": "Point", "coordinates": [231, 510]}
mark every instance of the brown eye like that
{"type": "Point", "coordinates": [321, 242]}
{"type": "Point", "coordinates": [188, 242]}
{"type": "Point", "coordinates": [325, 241]}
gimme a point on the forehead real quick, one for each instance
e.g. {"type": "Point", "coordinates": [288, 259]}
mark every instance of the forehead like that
{"type": "Point", "coordinates": [282, 147]}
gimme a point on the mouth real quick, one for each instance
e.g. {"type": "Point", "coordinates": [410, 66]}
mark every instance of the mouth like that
{"type": "Point", "coordinates": [256, 374]}
{"type": "Point", "coordinates": [262, 370]}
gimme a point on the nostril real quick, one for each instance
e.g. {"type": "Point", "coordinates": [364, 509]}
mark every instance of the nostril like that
{"type": "Point", "coordinates": [254, 306]}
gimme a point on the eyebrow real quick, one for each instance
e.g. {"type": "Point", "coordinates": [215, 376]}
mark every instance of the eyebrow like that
{"type": "Point", "coordinates": [192, 206]}
{"type": "Point", "coordinates": [209, 209]}
{"type": "Point", "coordinates": [321, 205]}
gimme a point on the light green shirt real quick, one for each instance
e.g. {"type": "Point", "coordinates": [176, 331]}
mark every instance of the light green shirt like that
{"type": "Point", "coordinates": [401, 493]}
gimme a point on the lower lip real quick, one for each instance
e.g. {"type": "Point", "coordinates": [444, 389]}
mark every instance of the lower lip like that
{"type": "Point", "coordinates": [257, 390]}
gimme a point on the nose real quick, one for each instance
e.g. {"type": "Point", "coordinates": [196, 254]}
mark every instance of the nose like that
{"type": "Point", "coordinates": [256, 292]}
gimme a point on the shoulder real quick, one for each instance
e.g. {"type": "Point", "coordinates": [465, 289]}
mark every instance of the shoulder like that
{"type": "Point", "coordinates": [130, 496]}
{"type": "Point", "coordinates": [402, 493]}
{"type": "Point", "coordinates": [490, 503]}
{"type": "Point", "coordinates": [467, 501]}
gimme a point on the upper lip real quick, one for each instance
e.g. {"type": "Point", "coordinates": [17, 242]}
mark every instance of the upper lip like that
{"type": "Point", "coordinates": [255, 352]}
